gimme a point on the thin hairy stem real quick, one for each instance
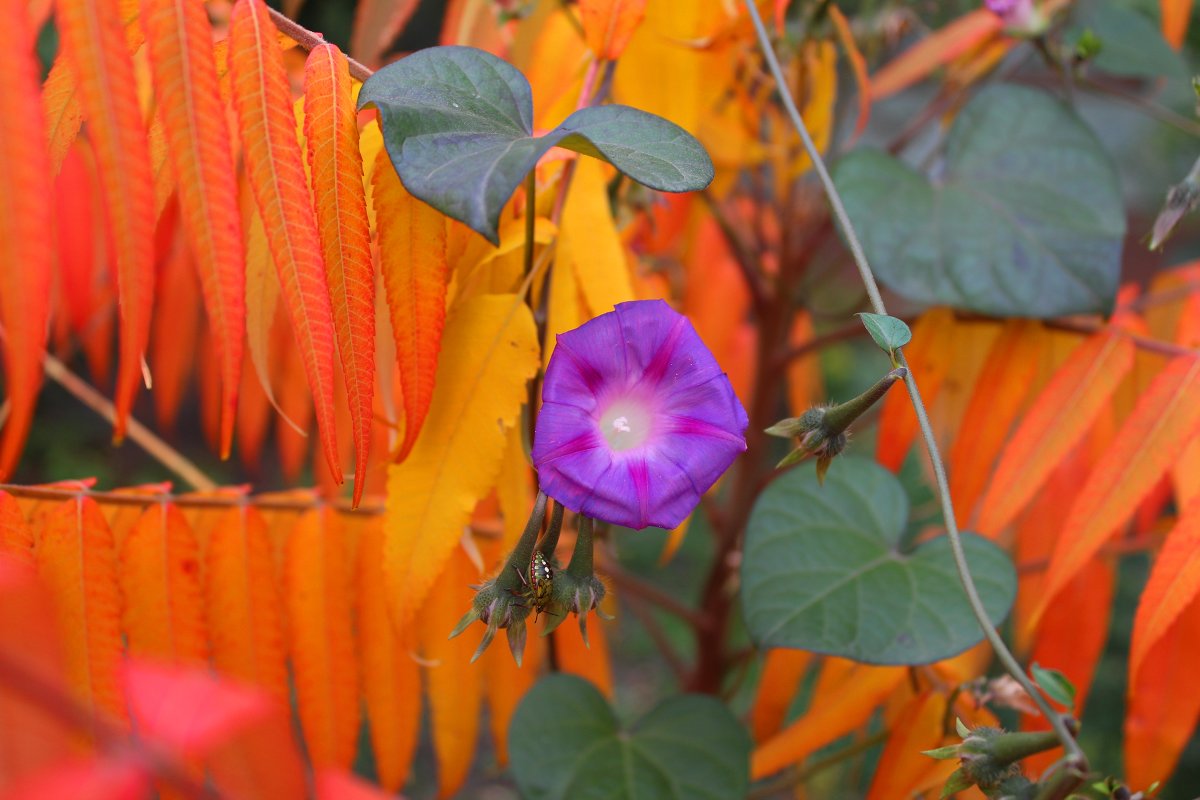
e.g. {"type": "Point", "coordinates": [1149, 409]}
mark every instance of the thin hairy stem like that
{"type": "Point", "coordinates": [1070, 746]}
{"type": "Point", "coordinates": [800, 775]}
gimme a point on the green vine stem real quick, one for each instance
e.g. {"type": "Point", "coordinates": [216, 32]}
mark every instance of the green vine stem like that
{"type": "Point", "coordinates": [1075, 753]}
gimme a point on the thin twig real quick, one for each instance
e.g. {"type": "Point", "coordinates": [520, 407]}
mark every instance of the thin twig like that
{"type": "Point", "coordinates": [162, 452]}
{"type": "Point", "coordinates": [310, 39]}
{"type": "Point", "coordinates": [1001, 650]}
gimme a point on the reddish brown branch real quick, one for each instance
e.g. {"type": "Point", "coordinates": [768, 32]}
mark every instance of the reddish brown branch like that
{"type": "Point", "coordinates": [309, 39]}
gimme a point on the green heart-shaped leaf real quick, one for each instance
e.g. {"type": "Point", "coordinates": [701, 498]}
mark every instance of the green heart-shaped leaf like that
{"type": "Point", "coordinates": [458, 127]}
{"type": "Point", "coordinates": [1023, 218]}
{"type": "Point", "coordinates": [565, 742]}
{"type": "Point", "coordinates": [823, 571]}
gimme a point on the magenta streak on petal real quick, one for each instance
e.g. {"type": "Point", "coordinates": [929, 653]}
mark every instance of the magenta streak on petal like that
{"type": "Point", "coordinates": [657, 368]}
{"type": "Point", "coordinates": [581, 443]}
{"type": "Point", "coordinates": [641, 485]}
{"type": "Point", "coordinates": [698, 427]}
{"type": "Point", "coordinates": [591, 378]}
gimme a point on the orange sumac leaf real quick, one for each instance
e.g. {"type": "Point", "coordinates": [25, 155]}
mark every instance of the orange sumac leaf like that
{"type": "Point", "coordinates": [62, 112]}
{"type": "Point", "coordinates": [94, 40]}
{"type": "Point", "coordinates": [280, 188]}
{"type": "Point", "coordinates": [453, 683]}
{"type": "Point", "coordinates": [928, 359]}
{"type": "Point", "coordinates": [1164, 420]}
{"type": "Point", "coordinates": [32, 739]}
{"type": "Point", "coordinates": [391, 676]}
{"type": "Point", "coordinates": [782, 671]}
{"type": "Point", "coordinates": [325, 663]}
{"type": "Point", "coordinates": [160, 581]}
{"type": "Point", "coordinates": [1173, 585]}
{"type": "Point", "coordinates": [1162, 704]}
{"type": "Point", "coordinates": [831, 715]}
{"type": "Point", "coordinates": [331, 130]}
{"type": "Point", "coordinates": [608, 25]}
{"type": "Point", "coordinates": [1175, 16]}
{"type": "Point", "coordinates": [245, 620]}
{"type": "Point", "coordinates": [77, 561]}
{"type": "Point", "coordinates": [412, 248]}
{"type": "Point", "coordinates": [16, 537]}
{"type": "Point", "coordinates": [26, 232]}
{"type": "Point", "coordinates": [174, 333]}
{"type": "Point", "coordinates": [903, 769]}
{"type": "Point", "coordinates": [1058, 418]}
{"type": "Point", "coordinates": [936, 50]}
{"type": "Point", "coordinates": [179, 39]}
{"type": "Point", "coordinates": [999, 393]}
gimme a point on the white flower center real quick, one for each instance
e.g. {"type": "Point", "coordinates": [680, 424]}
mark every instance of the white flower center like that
{"type": "Point", "coordinates": [625, 424]}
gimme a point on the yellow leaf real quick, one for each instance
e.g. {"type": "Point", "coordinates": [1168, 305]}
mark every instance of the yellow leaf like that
{"type": "Point", "coordinates": [588, 241]}
{"type": "Point", "coordinates": [453, 684]}
{"type": "Point", "coordinates": [489, 351]}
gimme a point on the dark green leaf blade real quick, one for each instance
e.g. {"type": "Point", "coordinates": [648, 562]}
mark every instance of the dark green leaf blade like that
{"type": "Point", "coordinates": [565, 742]}
{"type": "Point", "coordinates": [1024, 219]}
{"type": "Point", "coordinates": [458, 128]}
{"type": "Point", "coordinates": [653, 151]}
{"type": "Point", "coordinates": [822, 572]}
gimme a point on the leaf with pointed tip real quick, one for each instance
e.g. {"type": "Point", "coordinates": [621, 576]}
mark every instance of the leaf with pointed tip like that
{"type": "Point", "coordinates": [458, 126]}
{"type": "Point", "coordinates": [824, 571]}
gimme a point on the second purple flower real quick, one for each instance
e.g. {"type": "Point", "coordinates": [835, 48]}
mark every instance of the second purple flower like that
{"type": "Point", "coordinates": [637, 418]}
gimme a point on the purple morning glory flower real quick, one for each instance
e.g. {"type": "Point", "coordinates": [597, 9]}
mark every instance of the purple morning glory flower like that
{"type": "Point", "coordinates": [637, 418]}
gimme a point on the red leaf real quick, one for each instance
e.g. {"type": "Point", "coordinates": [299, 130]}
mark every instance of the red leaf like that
{"type": "Point", "coordinates": [113, 778]}
{"type": "Point", "coordinates": [190, 710]}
